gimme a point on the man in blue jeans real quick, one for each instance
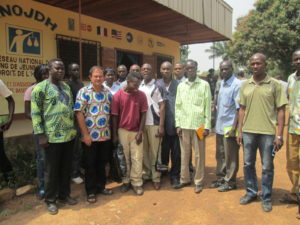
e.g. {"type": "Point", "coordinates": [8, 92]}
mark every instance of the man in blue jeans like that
{"type": "Point", "coordinates": [262, 99]}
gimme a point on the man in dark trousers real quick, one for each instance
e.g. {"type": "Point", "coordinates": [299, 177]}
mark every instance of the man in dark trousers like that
{"type": "Point", "coordinates": [75, 85]}
{"type": "Point", "coordinates": [170, 142]}
{"type": "Point", "coordinates": [53, 121]}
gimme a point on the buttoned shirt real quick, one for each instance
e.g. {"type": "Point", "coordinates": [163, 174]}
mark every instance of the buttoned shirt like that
{"type": "Point", "coordinates": [193, 105]}
{"type": "Point", "coordinates": [294, 123]}
{"type": "Point", "coordinates": [227, 103]}
{"type": "Point", "coordinates": [114, 88]}
{"type": "Point", "coordinates": [95, 107]}
{"type": "Point", "coordinates": [51, 111]}
{"type": "Point", "coordinates": [291, 81]}
{"type": "Point", "coordinates": [154, 96]}
{"type": "Point", "coordinates": [261, 101]}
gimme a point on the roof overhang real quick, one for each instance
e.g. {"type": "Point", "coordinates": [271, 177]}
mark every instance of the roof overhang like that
{"type": "Point", "coordinates": [184, 21]}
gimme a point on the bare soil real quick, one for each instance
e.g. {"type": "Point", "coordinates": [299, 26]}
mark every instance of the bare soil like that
{"type": "Point", "coordinates": [164, 207]}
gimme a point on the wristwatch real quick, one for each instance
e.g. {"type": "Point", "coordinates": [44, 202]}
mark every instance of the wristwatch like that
{"type": "Point", "coordinates": [280, 137]}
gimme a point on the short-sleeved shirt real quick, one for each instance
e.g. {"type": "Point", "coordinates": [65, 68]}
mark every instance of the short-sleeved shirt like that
{"type": "Point", "coordinates": [4, 91]}
{"type": "Point", "coordinates": [114, 88]}
{"type": "Point", "coordinates": [154, 97]}
{"type": "Point", "coordinates": [27, 94]}
{"type": "Point", "coordinates": [261, 101]}
{"type": "Point", "coordinates": [291, 81]}
{"type": "Point", "coordinates": [294, 123]}
{"type": "Point", "coordinates": [129, 106]}
{"type": "Point", "coordinates": [52, 111]}
{"type": "Point", "coordinates": [227, 103]}
{"type": "Point", "coordinates": [95, 107]}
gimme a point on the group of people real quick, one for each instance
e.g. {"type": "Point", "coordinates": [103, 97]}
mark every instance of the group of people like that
{"type": "Point", "coordinates": [157, 121]}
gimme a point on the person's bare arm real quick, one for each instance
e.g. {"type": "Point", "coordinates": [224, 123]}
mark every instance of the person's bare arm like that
{"type": "Point", "coordinates": [278, 141]}
{"type": "Point", "coordinates": [86, 138]}
{"type": "Point", "coordinates": [139, 135]}
{"type": "Point", "coordinates": [27, 107]}
{"type": "Point", "coordinates": [231, 133]}
{"type": "Point", "coordinates": [162, 110]}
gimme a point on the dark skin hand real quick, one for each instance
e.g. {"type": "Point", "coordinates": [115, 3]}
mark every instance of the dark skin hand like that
{"type": "Point", "coordinates": [43, 141]}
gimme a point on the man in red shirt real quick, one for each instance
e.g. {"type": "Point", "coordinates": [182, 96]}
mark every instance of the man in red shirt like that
{"type": "Point", "coordinates": [129, 107]}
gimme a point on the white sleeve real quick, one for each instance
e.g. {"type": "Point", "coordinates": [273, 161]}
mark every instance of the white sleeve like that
{"type": "Point", "coordinates": [4, 91]}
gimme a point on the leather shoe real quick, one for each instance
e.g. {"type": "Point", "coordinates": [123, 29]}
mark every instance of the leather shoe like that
{"type": "Point", "coordinates": [198, 188]}
{"type": "Point", "coordinates": [156, 185]}
{"type": "Point", "coordinates": [68, 200]}
{"type": "Point", "coordinates": [52, 208]}
{"type": "Point", "coordinates": [106, 191]}
{"type": "Point", "coordinates": [247, 199]}
{"type": "Point", "coordinates": [266, 206]}
{"type": "Point", "coordinates": [226, 187]}
{"type": "Point", "coordinates": [138, 190]}
{"type": "Point", "coordinates": [216, 183]}
{"type": "Point", "coordinates": [125, 187]}
{"type": "Point", "coordinates": [174, 182]}
{"type": "Point", "coordinates": [182, 185]}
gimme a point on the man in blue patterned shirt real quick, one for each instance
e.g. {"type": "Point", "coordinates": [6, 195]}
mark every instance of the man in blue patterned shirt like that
{"type": "Point", "coordinates": [92, 109]}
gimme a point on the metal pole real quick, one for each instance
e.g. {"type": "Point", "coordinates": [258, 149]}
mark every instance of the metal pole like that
{"type": "Point", "coordinates": [80, 44]}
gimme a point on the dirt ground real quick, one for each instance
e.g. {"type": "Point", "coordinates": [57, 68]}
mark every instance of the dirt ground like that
{"type": "Point", "coordinates": [164, 207]}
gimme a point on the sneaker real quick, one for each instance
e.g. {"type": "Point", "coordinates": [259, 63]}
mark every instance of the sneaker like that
{"type": "Point", "coordinates": [226, 187]}
{"type": "Point", "coordinates": [125, 187]}
{"type": "Point", "coordinates": [217, 183]}
{"type": "Point", "coordinates": [266, 206]}
{"type": "Point", "coordinates": [77, 180]}
{"type": "Point", "coordinates": [52, 208]}
{"type": "Point", "coordinates": [40, 195]}
{"type": "Point", "coordinates": [138, 190]}
{"type": "Point", "coordinates": [247, 199]}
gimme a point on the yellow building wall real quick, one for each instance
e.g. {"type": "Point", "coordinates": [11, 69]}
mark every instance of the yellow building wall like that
{"type": "Point", "coordinates": [27, 38]}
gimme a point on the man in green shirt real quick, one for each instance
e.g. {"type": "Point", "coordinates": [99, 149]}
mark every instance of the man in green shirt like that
{"type": "Point", "coordinates": [53, 122]}
{"type": "Point", "coordinates": [293, 142]}
{"type": "Point", "coordinates": [262, 99]}
{"type": "Point", "coordinates": [192, 111]}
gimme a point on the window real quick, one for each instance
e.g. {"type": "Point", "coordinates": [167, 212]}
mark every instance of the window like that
{"type": "Point", "coordinates": [128, 58]}
{"type": "Point", "coordinates": [68, 51]}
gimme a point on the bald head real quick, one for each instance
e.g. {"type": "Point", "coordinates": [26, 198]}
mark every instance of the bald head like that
{"type": "Point", "coordinates": [135, 68]}
{"type": "Point", "coordinates": [166, 70]}
{"type": "Point", "coordinates": [259, 55]}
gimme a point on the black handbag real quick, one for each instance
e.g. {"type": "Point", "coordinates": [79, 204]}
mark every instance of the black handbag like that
{"type": "Point", "coordinates": [158, 165]}
{"type": "Point", "coordinates": [120, 161]}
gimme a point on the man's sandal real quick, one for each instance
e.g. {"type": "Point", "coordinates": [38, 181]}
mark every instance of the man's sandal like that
{"type": "Point", "coordinates": [91, 198]}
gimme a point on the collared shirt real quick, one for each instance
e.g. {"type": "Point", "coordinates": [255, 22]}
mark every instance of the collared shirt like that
{"type": "Point", "coordinates": [261, 101]}
{"type": "Point", "coordinates": [294, 123]}
{"type": "Point", "coordinates": [181, 80]}
{"type": "Point", "coordinates": [291, 81]}
{"type": "Point", "coordinates": [193, 105]}
{"type": "Point", "coordinates": [96, 110]}
{"type": "Point", "coordinates": [114, 88]}
{"type": "Point", "coordinates": [51, 111]}
{"type": "Point", "coordinates": [154, 97]}
{"type": "Point", "coordinates": [4, 91]}
{"type": "Point", "coordinates": [227, 103]}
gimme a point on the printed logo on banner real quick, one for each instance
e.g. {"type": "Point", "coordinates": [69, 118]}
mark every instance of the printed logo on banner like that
{"type": "Point", "coordinates": [129, 37]}
{"type": "Point", "coordinates": [23, 41]}
{"type": "Point", "coordinates": [160, 44]}
{"type": "Point", "coordinates": [116, 34]}
{"type": "Point", "coordinates": [102, 31]}
{"type": "Point", "coordinates": [71, 24]}
{"type": "Point", "coordinates": [150, 43]}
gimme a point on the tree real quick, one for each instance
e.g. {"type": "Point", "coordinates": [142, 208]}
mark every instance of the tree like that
{"type": "Point", "coordinates": [273, 29]}
{"type": "Point", "coordinates": [218, 49]}
{"type": "Point", "coordinates": [184, 52]}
